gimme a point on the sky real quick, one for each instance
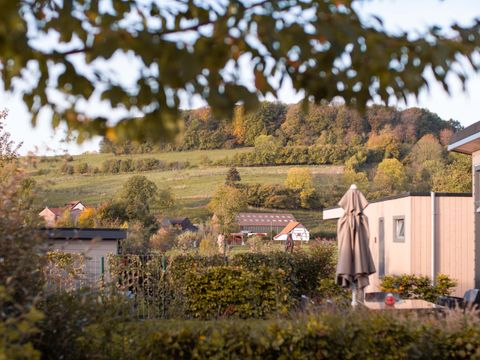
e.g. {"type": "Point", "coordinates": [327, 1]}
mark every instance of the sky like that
{"type": "Point", "coordinates": [398, 15]}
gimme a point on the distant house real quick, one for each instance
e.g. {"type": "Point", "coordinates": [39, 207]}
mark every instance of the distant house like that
{"type": "Point", "coordinates": [52, 214]}
{"type": "Point", "coordinates": [182, 223]}
{"type": "Point", "coordinates": [422, 234]}
{"type": "Point", "coordinates": [265, 223]}
{"type": "Point", "coordinates": [298, 231]}
{"type": "Point", "coordinates": [95, 244]}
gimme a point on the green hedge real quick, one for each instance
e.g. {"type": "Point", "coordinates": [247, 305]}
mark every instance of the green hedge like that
{"type": "Point", "coordinates": [346, 335]}
{"type": "Point", "coordinates": [266, 284]}
{"type": "Point", "coordinates": [218, 292]}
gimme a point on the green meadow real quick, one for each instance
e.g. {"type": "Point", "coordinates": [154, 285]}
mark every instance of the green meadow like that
{"type": "Point", "coordinates": [191, 187]}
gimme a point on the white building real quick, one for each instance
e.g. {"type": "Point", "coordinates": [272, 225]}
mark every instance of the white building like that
{"type": "Point", "coordinates": [298, 231]}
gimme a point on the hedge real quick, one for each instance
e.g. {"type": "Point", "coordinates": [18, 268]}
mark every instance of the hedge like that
{"type": "Point", "coordinates": [267, 284]}
{"type": "Point", "coordinates": [325, 335]}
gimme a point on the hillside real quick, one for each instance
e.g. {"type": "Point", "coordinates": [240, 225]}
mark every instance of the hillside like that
{"type": "Point", "coordinates": [191, 187]}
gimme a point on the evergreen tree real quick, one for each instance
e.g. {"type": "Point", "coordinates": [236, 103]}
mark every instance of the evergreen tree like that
{"type": "Point", "coordinates": [233, 176]}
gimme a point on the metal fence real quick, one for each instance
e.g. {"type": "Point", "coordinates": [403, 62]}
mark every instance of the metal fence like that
{"type": "Point", "coordinates": [139, 280]}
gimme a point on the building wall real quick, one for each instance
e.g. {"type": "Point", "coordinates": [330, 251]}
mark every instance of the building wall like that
{"type": "Point", "coordinates": [93, 250]}
{"type": "Point", "coordinates": [397, 255]}
{"type": "Point", "coordinates": [476, 205]}
{"type": "Point", "coordinates": [262, 229]}
{"type": "Point", "coordinates": [48, 216]}
{"type": "Point", "coordinates": [455, 241]}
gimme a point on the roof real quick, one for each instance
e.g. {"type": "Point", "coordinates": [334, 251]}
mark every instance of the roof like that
{"type": "Point", "coordinates": [178, 221]}
{"type": "Point", "coordinates": [334, 214]}
{"type": "Point", "coordinates": [57, 210]}
{"type": "Point", "coordinates": [264, 219]}
{"type": "Point", "coordinates": [290, 226]}
{"type": "Point", "coordinates": [412, 193]}
{"type": "Point", "coordinates": [85, 234]}
{"type": "Point", "coordinates": [467, 140]}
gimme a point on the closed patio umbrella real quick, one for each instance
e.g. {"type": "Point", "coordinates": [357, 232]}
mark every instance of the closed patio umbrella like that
{"type": "Point", "coordinates": [355, 261]}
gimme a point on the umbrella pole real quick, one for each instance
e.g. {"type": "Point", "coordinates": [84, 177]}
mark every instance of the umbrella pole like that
{"type": "Point", "coordinates": [354, 295]}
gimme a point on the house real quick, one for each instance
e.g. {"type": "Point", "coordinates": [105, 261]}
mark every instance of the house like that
{"type": "Point", "coordinates": [95, 244]}
{"type": "Point", "coordinates": [183, 224]}
{"type": "Point", "coordinates": [422, 234]}
{"type": "Point", "coordinates": [51, 214]}
{"type": "Point", "coordinates": [298, 231]}
{"type": "Point", "coordinates": [263, 223]}
{"type": "Point", "coordinates": [467, 141]}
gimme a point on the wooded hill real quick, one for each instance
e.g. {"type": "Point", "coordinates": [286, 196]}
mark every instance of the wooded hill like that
{"type": "Point", "coordinates": [293, 125]}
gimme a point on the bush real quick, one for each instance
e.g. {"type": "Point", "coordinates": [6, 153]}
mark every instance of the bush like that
{"type": "Point", "coordinates": [418, 287]}
{"type": "Point", "coordinates": [302, 270]}
{"type": "Point", "coordinates": [326, 335]}
{"type": "Point", "coordinates": [69, 316]}
{"type": "Point", "coordinates": [235, 292]}
{"type": "Point", "coordinates": [82, 168]}
{"type": "Point", "coordinates": [187, 240]}
{"type": "Point", "coordinates": [67, 168]}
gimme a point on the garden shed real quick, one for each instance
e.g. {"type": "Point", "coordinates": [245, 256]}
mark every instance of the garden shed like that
{"type": "Point", "coordinates": [95, 244]}
{"type": "Point", "coordinates": [421, 234]}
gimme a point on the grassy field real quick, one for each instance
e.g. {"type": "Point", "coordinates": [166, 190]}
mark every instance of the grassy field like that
{"type": "Point", "coordinates": [191, 187]}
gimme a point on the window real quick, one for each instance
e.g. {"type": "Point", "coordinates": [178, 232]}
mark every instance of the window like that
{"type": "Point", "coordinates": [399, 228]}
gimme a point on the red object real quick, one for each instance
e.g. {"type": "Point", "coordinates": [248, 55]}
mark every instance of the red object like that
{"type": "Point", "coordinates": [389, 299]}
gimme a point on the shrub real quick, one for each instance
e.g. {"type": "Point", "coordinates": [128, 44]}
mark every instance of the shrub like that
{"type": "Point", "coordinates": [208, 246]}
{"type": "Point", "coordinates": [418, 287]}
{"type": "Point", "coordinates": [163, 239]}
{"type": "Point", "coordinates": [64, 271]}
{"type": "Point", "coordinates": [231, 291]}
{"type": "Point", "coordinates": [67, 168]}
{"type": "Point", "coordinates": [82, 168]}
{"type": "Point", "coordinates": [69, 316]}
{"type": "Point", "coordinates": [325, 335]}
{"type": "Point", "coordinates": [187, 240]}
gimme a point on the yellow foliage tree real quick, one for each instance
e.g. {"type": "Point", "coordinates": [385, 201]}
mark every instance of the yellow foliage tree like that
{"type": "Point", "coordinates": [301, 179]}
{"type": "Point", "coordinates": [390, 177]}
{"type": "Point", "coordinates": [87, 218]}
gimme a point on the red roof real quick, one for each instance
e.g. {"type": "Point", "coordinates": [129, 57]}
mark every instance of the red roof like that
{"type": "Point", "coordinates": [264, 219]}
{"type": "Point", "coordinates": [57, 210]}
{"type": "Point", "coordinates": [291, 225]}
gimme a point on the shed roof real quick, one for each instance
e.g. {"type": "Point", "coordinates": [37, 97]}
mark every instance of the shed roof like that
{"type": "Point", "coordinates": [85, 234]}
{"type": "Point", "coordinates": [335, 212]}
{"type": "Point", "coordinates": [264, 219]}
{"type": "Point", "coordinates": [467, 140]}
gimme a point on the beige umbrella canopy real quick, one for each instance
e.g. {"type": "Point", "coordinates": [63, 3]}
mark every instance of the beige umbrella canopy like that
{"type": "Point", "coordinates": [355, 261]}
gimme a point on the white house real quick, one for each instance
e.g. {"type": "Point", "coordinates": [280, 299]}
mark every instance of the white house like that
{"type": "Point", "coordinates": [298, 231]}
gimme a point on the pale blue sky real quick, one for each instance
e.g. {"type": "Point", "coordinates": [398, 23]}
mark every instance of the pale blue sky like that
{"type": "Point", "coordinates": [411, 15]}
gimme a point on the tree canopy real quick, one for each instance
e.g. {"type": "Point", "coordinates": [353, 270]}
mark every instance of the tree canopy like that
{"type": "Point", "coordinates": [64, 55]}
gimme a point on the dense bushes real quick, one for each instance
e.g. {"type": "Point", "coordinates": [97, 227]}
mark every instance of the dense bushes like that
{"type": "Point", "coordinates": [114, 166]}
{"type": "Point", "coordinates": [233, 291]}
{"type": "Point", "coordinates": [292, 155]}
{"type": "Point", "coordinates": [245, 285]}
{"type": "Point", "coordinates": [275, 196]}
{"type": "Point", "coordinates": [418, 287]}
{"type": "Point", "coordinates": [326, 335]}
